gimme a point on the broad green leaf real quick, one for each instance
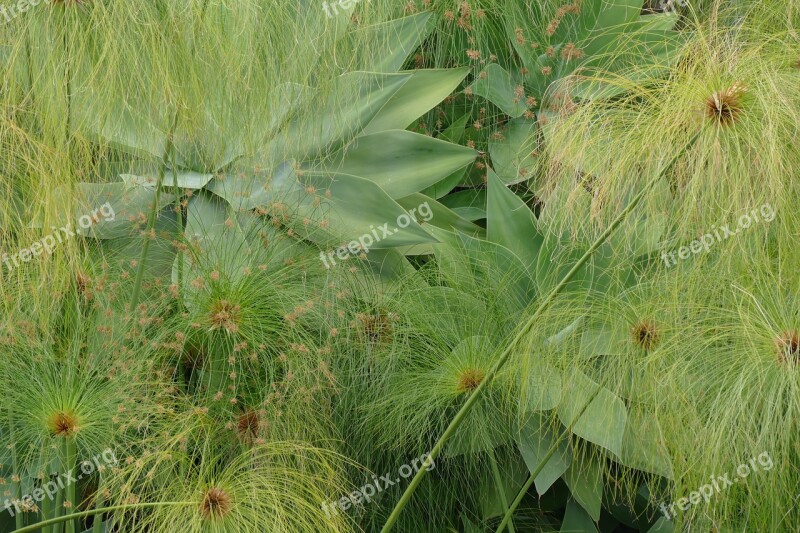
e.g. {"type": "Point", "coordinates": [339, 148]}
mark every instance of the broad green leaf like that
{"type": "Point", "coordinates": [584, 479]}
{"type": "Point", "coordinates": [512, 157]}
{"type": "Point", "coordinates": [123, 127]}
{"type": "Point", "coordinates": [602, 340]}
{"type": "Point", "coordinates": [535, 439]}
{"type": "Point", "coordinates": [577, 520]}
{"type": "Point", "coordinates": [216, 242]}
{"type": "Point", "coordinates": [556, 257]}
{"type": "Point", "coordinates": [470, 202]}
{"type": "Point", "coordinates": [259, 189]}
{"type": "Point", "coordinates": [454, 134]}
{"type": "Point", "coordinates": [513, 477]}
{"type": "Point", "coordinates": [499, 87]}
{"type": "Point", "coordinates": [424, 90]}
{"type": "Point", "coordinates": [662, 526]}
{"type": "Point", "coordinates": [542, 392]}
{"type": "Point", "coordinates": [495, 266]}
{"type": "Point", "coordinates": [394, 41]}
{"type": "Point", "coordinates": [125, 250]}
{"type": "Point", "coordinates": [428, 211]}
{"type": "Point", "coordinates": [643, 446]}
{"type": "Point", "coordinates": [401, 162]}
{"type": "Point", "coordinates": [358, 208]}
{"type": "Point", "coordinates": [603, 421]}
{"type": "Point", "coordinates": [185, 179]}
{"type": "Point", "coordinates": [116, 209]}
{"type": "Point", "coordinates": [322, 127]}
{"type": "Point", "coordinates": [398, 38]}
{"type": "Point", "coordinates": [511, 223]}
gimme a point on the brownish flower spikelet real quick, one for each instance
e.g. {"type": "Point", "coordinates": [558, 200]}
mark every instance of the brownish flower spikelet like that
{"type": "Point", "coordinates": [469, 379]}
{"type": "Point", "coordinates": [225, 315]}
{"type": "Point", "coordinates": [63, 424]}
{"type": "Point", "coordinates": [247, 425]}
{"type": "Point", "coordinates": [216, 504]}
{"type": "Point", "coordinates": [646, 334]}
{"type": "Point", "coordinates": [724, 107]}
{"type": "Point", "coordinates": [788, 347]}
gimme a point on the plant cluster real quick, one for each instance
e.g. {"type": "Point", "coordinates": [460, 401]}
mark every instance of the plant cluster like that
{"type": "Point", "coordinates": [516, 356]}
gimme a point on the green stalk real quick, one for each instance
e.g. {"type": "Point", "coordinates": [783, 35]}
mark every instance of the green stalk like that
{"type": "Point", "coordinates": [179, 214]}
{"type": "Point", "coordinates": [84, 514]}
{"type": "Point", "coordinates": [151, 218]}
{"type": "Point", "coordinates": [71, 459]}
{"type": "Point", "coordinates": [47, 509]}
{"type": "Point", "coordinates": [15, 466]}
{"type": "Point", "coordinates": [58, 527]}
{"type": "Point", "coordinates": [524, 490]}
{"type": "Point", "coordinates": [498, 481]}
{"type": "Point", "coordinates": [97, 527]}
{"type": "Point", "coordinates": [523, 331]}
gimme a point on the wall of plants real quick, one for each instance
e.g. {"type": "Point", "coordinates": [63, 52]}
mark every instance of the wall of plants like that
{"type": "Point", "coordinates": [425, 266]}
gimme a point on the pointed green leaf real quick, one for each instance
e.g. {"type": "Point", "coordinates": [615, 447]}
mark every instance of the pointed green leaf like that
{"type": "Point", "coordinates": [577, 520]}
{"type": "Point", "coordinates": [585, 482]}
{"type": "Point", "coordinates": [603, 421]}
{"type": "Point", "coordinates": [511, 223]}
{"type": "Point", "coordinates": [498, 86]}
{"type": "Point", "coordinates": [512, 156]}
{"type": "Point", "coordinates": [401, 162]}
{"type": "Point", "coordinates": [417, 96]}
{"type": "Point", "coordinates": [535, 440]}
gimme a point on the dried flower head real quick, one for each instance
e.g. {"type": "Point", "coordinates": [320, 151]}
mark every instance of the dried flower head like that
{"type": "Point", "coordinates": [469, 379]}
{"type": "Point", "coordinates": [225, 315]}
{"type": "Point", "coordinates": [216, 504]}
{"type": "Point", "coordinates": [63, 424]}
{"type": "Point", "coordinates": [724, 107]}
{"type": "Point", "coordinates": [646, 334]}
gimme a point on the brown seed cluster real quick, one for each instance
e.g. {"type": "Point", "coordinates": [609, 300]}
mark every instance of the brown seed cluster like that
{"type": "Point", "coordinates": [725, 107]}
{"type": "Point", "coordinates": [377, 328]}
{"type": "Point", "coordinates": [225, 315]}
{"type": "Point", "coordinates": [646, 334]}
{"type": "Point", "coordinates": [216, 504]}
{"type": "Point", "coordinates": [63, 424]}
{"type": "Point", "coordinates": [247, 425]}
{"type": "Point", "coordinates": [469, 379]}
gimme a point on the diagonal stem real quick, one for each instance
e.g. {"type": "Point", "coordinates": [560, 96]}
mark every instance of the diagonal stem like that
{"type": "Point", "coordinates": [523, 331]}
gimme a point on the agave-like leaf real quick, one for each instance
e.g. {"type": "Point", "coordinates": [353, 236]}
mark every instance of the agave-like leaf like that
{"type": "Point", "coordinates": [401, 162]}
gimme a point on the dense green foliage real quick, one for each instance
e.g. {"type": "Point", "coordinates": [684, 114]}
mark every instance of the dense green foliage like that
{"type": "Point", "coordinates": [429, 266]}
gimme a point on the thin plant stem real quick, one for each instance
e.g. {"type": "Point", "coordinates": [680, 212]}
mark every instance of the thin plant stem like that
{"type": "Point", "coordinates": [47, 509]}
{"type": "Point", "coordinates": [71, 459]}
{"type": "Point", "coordinates": [84, 514]}
{"type": "Point", "coordinates": [97, 527]}
{"type": "Point", "coordinates": [461, 415]}
{"type": "Point", "coordinates": [15, 465]}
